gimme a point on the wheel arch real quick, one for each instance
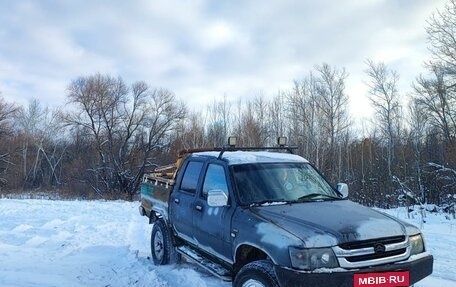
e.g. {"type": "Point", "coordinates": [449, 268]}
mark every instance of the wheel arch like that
{"type": "Point", "coordinates": [155, 215]}
{"type": "Point", "coordinates": [246, 253]}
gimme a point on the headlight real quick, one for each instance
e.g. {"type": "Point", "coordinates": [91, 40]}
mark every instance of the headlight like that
{"type": "Point", "coordinates": [310, 259]}
{"type": "Point", "coordinates": [416, 244]}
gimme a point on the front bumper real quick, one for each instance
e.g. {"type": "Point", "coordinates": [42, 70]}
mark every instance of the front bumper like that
{"type": "Point", "coordinates": [418, 269]}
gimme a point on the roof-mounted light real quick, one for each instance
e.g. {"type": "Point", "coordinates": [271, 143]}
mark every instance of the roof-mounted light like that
{"type": "Point", "coordinates": [282, 141]}
{"type": "Point", "coordinates": [232, 141]}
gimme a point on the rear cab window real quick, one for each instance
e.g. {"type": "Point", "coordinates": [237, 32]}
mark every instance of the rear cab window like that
{"type": "Point", "coordinates": [191, 176]}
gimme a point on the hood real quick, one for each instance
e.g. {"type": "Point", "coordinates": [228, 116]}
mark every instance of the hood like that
{"type": "Point", "coordinates": [330, 223]}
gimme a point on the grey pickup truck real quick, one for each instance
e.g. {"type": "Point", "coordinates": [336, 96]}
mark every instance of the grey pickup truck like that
{"type": "Point", "coordinates": [260, 217]}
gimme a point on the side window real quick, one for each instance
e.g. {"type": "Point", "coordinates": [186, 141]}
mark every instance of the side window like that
{"type": "Point", "coordinates": [215, 179]}
{"type": "Point", "coordinates": [191, 175]}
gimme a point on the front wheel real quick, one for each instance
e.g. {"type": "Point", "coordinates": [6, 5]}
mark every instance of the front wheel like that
{"type": "Point", "coordinates": [161, 244]}
{"type": "Point", "coordinates": [256, 274]}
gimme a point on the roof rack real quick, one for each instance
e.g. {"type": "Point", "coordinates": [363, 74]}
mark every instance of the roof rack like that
{"type": "Point", "coordinates": [167, 173]}
{"type": "Point", "coordinates": [281, 141]}
{"type": "Point", "coordinates": [183, 152]}
{"type": "Point", "coordinates": [289, 149]}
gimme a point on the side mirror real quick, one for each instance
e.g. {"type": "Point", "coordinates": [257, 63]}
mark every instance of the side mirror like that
{"type": "Point", "coordinates": [217, 198]}
{"type": "Point", "coordinates": [342, 188]}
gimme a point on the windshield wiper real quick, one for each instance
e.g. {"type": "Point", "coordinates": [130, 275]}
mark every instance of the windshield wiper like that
{"type": "Point", "coordinates": [313, 195]}
{"type": "Point", "coordinates": [269, 201]}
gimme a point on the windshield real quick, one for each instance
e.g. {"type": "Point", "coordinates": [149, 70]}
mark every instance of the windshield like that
{"type": "Point", "coordinates": [294, 182]}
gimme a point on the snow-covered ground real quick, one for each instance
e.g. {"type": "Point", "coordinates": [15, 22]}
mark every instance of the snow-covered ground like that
{"type": "Point", "coordinates": [97, 243]}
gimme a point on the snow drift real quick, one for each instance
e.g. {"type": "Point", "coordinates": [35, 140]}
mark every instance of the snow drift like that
{"type": "Point", "coordinates": [106, 243]}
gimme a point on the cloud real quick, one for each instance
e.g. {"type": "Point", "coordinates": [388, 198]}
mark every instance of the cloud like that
{"type": "Point", "coordinates": [217, 34]}
{"type": "Point", "coordinates": [205, 49]}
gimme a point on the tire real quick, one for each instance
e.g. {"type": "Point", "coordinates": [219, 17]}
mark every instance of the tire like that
{"type": "Point", "coordinates": [161, 245]}
{"type": "Point", "coordinates": [256, 274]}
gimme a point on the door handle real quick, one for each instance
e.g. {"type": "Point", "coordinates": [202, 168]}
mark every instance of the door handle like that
{"type": "Point", "coordinates": [176, 200]}
{"type": "Point", "coordinates": [199, 207]}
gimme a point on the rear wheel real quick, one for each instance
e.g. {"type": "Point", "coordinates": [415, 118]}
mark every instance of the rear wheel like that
{"type": "Point", "coordinates": [161, 244]}
{"type": "Point", "coordinates": [256, 274]}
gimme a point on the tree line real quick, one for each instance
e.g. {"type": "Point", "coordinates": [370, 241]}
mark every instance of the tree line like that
{"type": "Point", "coordinates": [111, 132]}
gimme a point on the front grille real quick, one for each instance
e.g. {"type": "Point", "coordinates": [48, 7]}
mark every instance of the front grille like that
{"type": "Point", "coordinates": [375, 256]}
{"type": "Point", "coordinates": [371, 243]}
{"type": "Point", "coordinates": [359, 254]}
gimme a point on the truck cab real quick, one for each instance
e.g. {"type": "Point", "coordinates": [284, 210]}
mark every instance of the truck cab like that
{"type": "Point", "coordinates": [261, 218]}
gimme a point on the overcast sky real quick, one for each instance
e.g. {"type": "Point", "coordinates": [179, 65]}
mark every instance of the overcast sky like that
{"type": "Point", "coordinates": [203, 50]}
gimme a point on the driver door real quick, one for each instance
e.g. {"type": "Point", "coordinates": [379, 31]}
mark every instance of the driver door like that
{"type": "Point", "coordinates": [212, 225]}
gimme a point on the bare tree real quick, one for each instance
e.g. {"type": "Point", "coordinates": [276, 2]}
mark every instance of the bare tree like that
{"type": "Point", "coordinates": [317, 112]}
{"type": "Point", "coordinates": [444, 180]}
{"type": "Point", "coordinates": [384, 97]}
{"type": "Point", "coordinates": [29, 120]}
{"type": "Point", "coordinates": [261, 114]}
{"type": "Point", "coordinates": [441, 32]}
{"type": "Point", "coordinates": [277, 120]}
{"type": "Point", "coordinates": [250, 126]}
{"type": "Point", "coordinates": [418, 120]}
{"type": "Point", "coordinates": [191, 133]}
{"type": "Point", "coordinates": [219, 118]}
{"type": "Point", "coordinates": [127, 125]}
{"type": "Point", "coordinates": [333, 104]}
{"type": "Point", "coordinates": [98, 98]}
{"type": "Point", "coordinates": [7, 111]}
{"type": "Point", "coordinates": [39, 146]}
{"type": "Point", "coordinates": [303, 114]}
{"type": "Point", "coordinates": [438, 101]}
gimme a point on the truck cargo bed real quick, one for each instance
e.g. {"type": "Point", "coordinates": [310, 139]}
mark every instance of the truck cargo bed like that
{"type": "Point", "coordinates": [155, 192]}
